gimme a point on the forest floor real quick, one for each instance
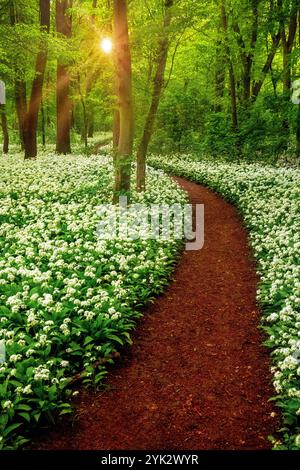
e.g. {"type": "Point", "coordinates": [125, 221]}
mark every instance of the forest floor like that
{"type": "Point", "coordinates": [197, 376]}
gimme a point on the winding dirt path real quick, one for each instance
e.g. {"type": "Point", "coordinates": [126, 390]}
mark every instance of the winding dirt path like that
{"type": "Point", "coordinates": [196, 376]}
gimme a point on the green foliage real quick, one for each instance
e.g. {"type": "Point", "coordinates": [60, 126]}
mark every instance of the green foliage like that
{"type": "Point", "coordinates": [68, 298]}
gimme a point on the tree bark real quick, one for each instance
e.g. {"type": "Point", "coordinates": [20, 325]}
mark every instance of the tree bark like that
{"type": "Point", "coordinates": [116, 129]}
{"type": "Point", "coordinates": [232, 84]}
{"type": "Point", "coordinates": [31, 117]}
{"type": "Point", "coordinates": [220, 72]}
{"type": "Point", "coordinates": [90, 112]}
{"type": "Point", "coordinates": [287, 46]}
{"type": "Point", "coordinates": [247, 57]}
{"type": "Point", "coordinates": [298, 111]}
{"type": "Point", "coordinates": [20, 85]}
{"type": "Point", "coordinates": [63, 102]}
{"type": "Point", "coordinates": [21, 107]}
{"type": "Point", "coordinates": [124, 94]}
{"type": "Point", "coordinates": [234, 115]}
{"type": "Point", "coordinates": [156, 94]}
{"type": "Point", "coordinates": [287, 42]}
{"type": "Point", "coordinates": [43, 125]}
{"type": "Point", "coordinates": [256, 86]}
{"type": "Point", "coordinates": [298, 132]}
{"type": "Point", "coordinates": [4, 129]}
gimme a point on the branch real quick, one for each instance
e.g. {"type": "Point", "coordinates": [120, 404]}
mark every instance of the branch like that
{"type": "Point", "coordinates": [173, 60]}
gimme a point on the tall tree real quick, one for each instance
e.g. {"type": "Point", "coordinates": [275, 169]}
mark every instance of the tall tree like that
{"type": "Point", "coordinates": [63, 102]}
{"type": "Point", "coordinates": [4, 128]}
{"type": "Point", "coordinates": [31, 115]}
{"type": "Point", "coordinates": [247, 53]}
{"type": "Point", "coordinates": [158, 83]}
{"type": "Point", "coordinates": [298, 110]}
{"type": "Point", "coordinates": [287, 40]}
{"type": "Point", "coordinates": [20, 83]}
{"type": "Point", "coordinates": [123, 153]}
{"type": "Point", "coordinates": [271, 52]}
{"type": "Point", "coordinates": [232, 81]}
{"type": "Point", "coordinates": [220, 73]}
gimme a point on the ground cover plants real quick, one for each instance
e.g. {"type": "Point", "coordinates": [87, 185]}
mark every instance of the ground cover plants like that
{"type": "Point", "coordinates": [67, 299]}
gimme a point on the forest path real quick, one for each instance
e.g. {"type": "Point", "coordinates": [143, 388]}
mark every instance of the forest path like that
{"type": "Point", "coordinates": [196, 376]}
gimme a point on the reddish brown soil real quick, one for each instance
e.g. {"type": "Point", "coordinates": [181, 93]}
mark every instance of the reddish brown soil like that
{"type": "Point", "coordinates": [196, 376]}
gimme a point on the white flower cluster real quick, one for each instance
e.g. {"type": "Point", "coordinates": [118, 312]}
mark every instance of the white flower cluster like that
{"type": "Point", "coordinates": [269, 200]}
{"type": "Point", "coordinates": [67, 298]}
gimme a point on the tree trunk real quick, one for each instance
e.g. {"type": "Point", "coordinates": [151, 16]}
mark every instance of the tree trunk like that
{"type": "Point", "coordinates": [124, 94]}
{"type": "Point", "coordinates": [219, 77]}
{"type": "Point", "coordinates": [21, 106]}
{"type": "Point", "coordinates": [298, 111]}
{"type": "Point", "coordinates": [157, 89]}
{"type": "Point", "coordinates": [84, 127]}
{"type": "Point", "coordinates": [20, 86]}
{"type": "Point", "coordinates": [256, 87]}
{"type": "Point", "coordinates": [234, 116]}
{"type": "Point", "coordinates": [31, 117]}
{"type": "Point", "coordinates": [116, 129]}
{"type": "Point", "coordinates": [63, 102]}
{"type": "Point", "coordinates": [43, 125]}
{"type": "Point", "coordinates": [4, 129]}
{"type": "Point", "coordinates": [247, 57]}
{"type": "Point", "coordinates": [287, 46]}
{"type": "Point", "coordinates": [287, 42]}
{"type": "Point", "coordinates": [247, 80]}
{"type": "Point", "coordinates": [232, 84]}
{"type": "Point", "coordinates": [220, 71]}
{"type": "Point", "coordinates": [90, 106]}
{"type": "Point", "coordinates": [298, 132]}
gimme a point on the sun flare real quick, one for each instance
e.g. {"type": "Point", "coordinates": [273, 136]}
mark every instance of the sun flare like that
{"type": "Point", "coordinates": [106, 45]}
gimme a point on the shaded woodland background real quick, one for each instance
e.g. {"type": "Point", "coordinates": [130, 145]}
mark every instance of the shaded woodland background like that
{"type": "Point", "coordinates": [213, 77]}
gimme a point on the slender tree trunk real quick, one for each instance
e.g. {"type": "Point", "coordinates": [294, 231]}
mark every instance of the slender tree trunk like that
{"type": "Point", "coordinates": [247, 80]}
{"type": "Point", "coordinates": [20, 86]}
{"type": "Point", "coordinates": [257, 85]}
{"type": "Point", "coordinates": [89, 86]}
{"type": "Point", "coordinates": [116, 129]}
{"type": "Point", "coordinates": [31, 117]}
{"type": "Point", "coordinates": [232, 87]}
{"type": "Point", "coordinates": [89, 106]}
{"type": "Point", "coordinates": [63, 102]}
{"type": "Point", "coordinates": [43, 125]}
{"type": "Point", "coordinates": [124, 94]}
{"type": "Point", "coordinates": [220, 72]}
{"type": "Point", "coordinates": [298, 111]}
{"type": "Point", "coordinates": [84, 128]}
{"type": "Point", "coordinates": [287, 47]}
{"type": "Point", "coordinates": [247, 56]}
{"type": "Point", "coordinates": [4, 129]}
{"type": "Point", "coordinates": [21, 106]}
{"type": "Point", "coordinates": [287, 41]}
{"type": "Point", "coordinates": [219, 84]}
{"type": "Point", "coordinates": [298, 132]}
{"type": "Point", "coordinates": [232, 84]}
{"type": "Point", "coordinates": [157, 89]}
